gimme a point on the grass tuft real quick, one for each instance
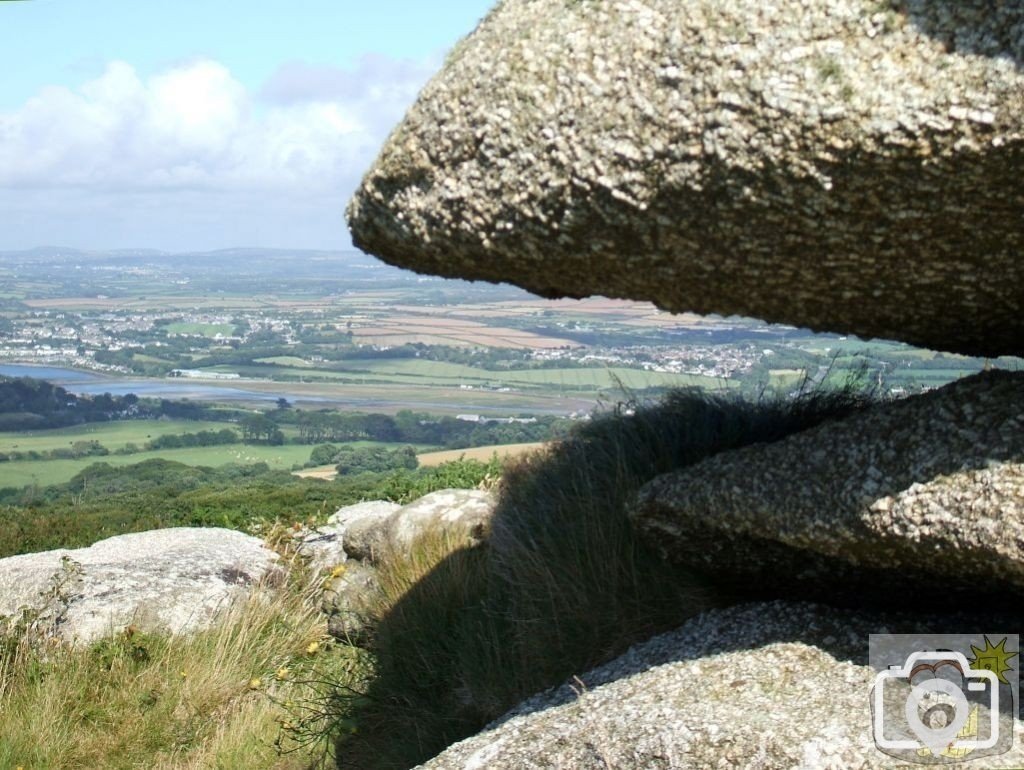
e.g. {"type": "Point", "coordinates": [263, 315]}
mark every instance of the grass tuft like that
{"type": "Point", "coordinates": [135, 699]}
{"type": "Point", "coordinates": [562, 584]}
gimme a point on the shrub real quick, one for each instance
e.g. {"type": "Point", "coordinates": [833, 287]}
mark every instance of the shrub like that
{"type": "Point", "coordinates": [353, 460]}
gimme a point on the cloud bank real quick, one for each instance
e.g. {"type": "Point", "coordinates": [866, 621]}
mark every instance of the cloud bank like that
{"type": "Point", "coordinates": [167, 158]}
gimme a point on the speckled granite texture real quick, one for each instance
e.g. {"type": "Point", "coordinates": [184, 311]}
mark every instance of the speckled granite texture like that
{"type": "Point", "coordinates": [175, 580]}
{"type": "Point", "coordinates": [758, 686]}
{"type": "Point", "coordinates": [928, 490]}
{"type": "Point", "coordinates": [851, 166]}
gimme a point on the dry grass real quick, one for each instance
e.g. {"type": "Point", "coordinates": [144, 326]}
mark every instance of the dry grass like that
{"type": "Point", "coordinates": [449, 330]}
{"type": "Point", "coordinates": [325, 472]}
{"type": "Point", "coordinates": [482, 453]}
{"type": "Point", "coordinates": [212, 699]}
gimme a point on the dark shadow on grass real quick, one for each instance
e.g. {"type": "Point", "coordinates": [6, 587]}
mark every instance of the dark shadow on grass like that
{"type": "Point", "coordinates": [564, 583]}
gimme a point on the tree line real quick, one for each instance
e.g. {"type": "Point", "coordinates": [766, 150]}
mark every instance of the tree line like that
{"type": "Point", "coordinates": [325, 426]}
{"type": "Point", "coordinates": [27, 403]}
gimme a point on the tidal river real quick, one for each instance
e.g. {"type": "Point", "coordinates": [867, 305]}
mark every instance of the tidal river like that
{"type": "Point", "coordinates": [89, 383]}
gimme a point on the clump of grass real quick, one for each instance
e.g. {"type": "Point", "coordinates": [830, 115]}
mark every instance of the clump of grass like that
{"type": "Point", "coordinates": [828, 68]}
{"type": "Point", "coordinates": [563, 583]}
{"type": "Point", "coordinates": [211, 699]}
{"type": "Point", "coordinates": [436, 588]}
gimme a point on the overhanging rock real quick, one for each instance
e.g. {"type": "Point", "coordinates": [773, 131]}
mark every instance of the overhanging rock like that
{"type": "Point", "coordinates": [849, 165]}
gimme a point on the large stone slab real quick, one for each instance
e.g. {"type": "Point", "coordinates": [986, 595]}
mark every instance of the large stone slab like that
{"type": "Point", "coordinates": [366, 531]}
{"type": "Point", "coordinates": [773, 685]}
{"type": "Point", "coordinates": [174, 580]}
{"type": "Point", "coordinates": [847, 165]}
{"type": "Point", "coordinates": [457, 511]}
{"type": "Point", "coordinates": [362, 527]}
{"type": "Point", "coordinates": [372, 530]}
{"type": "Point", "coordinates": [915, 498]}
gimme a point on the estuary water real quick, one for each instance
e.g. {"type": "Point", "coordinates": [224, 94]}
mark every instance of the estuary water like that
{"type": "Point", "coordinates": [88, 383]}
{"type": "Point", "coordinates": [91, 384]}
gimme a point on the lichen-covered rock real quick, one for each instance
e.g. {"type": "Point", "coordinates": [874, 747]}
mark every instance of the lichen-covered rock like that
{"type": "Point", "coordinates": [923, 496]}
{"type": "Point", "coordinates": [465, 511]}
{"type": "Point", "coordinates": [845, 165]}
{"type": "Point", "coordinates": [174, 580]}
{"type": "Point", "coordinates": [368, 530]}
{"type": "Point", "coordinates": [321, 546]}
{"type": "Point", "coordinates": [361, 527]}
{"type": "Point", "coordinates": [767, 686]}
{"type": "Point", "coordinates": [349, 600]}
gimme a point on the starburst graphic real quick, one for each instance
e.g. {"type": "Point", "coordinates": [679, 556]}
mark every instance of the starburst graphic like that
{"type": "Point", "coordinates": [994, 658]}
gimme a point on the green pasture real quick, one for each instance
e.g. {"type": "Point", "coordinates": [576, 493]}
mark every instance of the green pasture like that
{"type": "Point", "coordinates": [579, 378]}
{"type": "Point", "coordinates": [112, 435]}
{"type": "Point", "coordinates": [46, 472]}
{"type": "Point", "coordinates": [206, 330]}
{"type": "Point", "coordinates": [442, 374]}
{"type": "Point", "coordinates": [934, 376]}
{"type": "Point", "coordinates": [787, 378]}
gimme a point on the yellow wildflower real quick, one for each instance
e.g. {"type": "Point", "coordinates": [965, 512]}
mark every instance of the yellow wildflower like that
{"type": "Point", "coordinates": [313, 648]}
{"type": "Point", "coordinates": [282, 673]}
{"type": "Point", "coordinates": [255, 684]}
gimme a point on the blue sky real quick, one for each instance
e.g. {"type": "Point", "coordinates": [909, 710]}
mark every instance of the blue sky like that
{"type": "Point", "coordinates": [193, 124]}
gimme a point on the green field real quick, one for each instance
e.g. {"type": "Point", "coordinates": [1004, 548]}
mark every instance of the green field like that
{"type": "Point", "coordinates": [22, 473]}
{"type": "Point", "coordinates": [785, 379]}
{"type": "Point", "coordinates": [589, 378]}
{"type": "Point", "coordinates": [45, 472]}
{"type": "Point", "coordinates": [932, 376]}
{"type": "Point", "coordinates": [112, 435]}
{"type": "Point", "coordinates": [407, 371]}
{"type": "Point", "coordinates": [206, 330]}
{"type": "Point", "coordinates": [285, 361]}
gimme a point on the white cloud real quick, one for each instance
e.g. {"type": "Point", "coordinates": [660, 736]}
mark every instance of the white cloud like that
{"type": "Point", "coordinates": [194, 129]}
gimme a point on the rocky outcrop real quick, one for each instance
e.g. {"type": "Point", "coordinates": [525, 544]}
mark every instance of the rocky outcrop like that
{"type": "Point", "coordinates": [458, 511]}
{"type": "Point", "coordinates": [352, 532]}
{"type": "Point", "coordinates": [923, 495]}
{"type": "Point", "coordinates": [370, 531]}
{"type": "Point", "coordinates": [774, 685]}
{"type": "Point", "coordinates": [849, 166]}
{"type": "Point", "coordinates": [321, 546]}
{"type": "Point", "coordinates": [174, 580]}
{"type": "Point", "coordinates": [362, 527]}
{"type": "Point", "coordinates": [367, 530]}
{"type": "Point", "coordinates": [350, 598]}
